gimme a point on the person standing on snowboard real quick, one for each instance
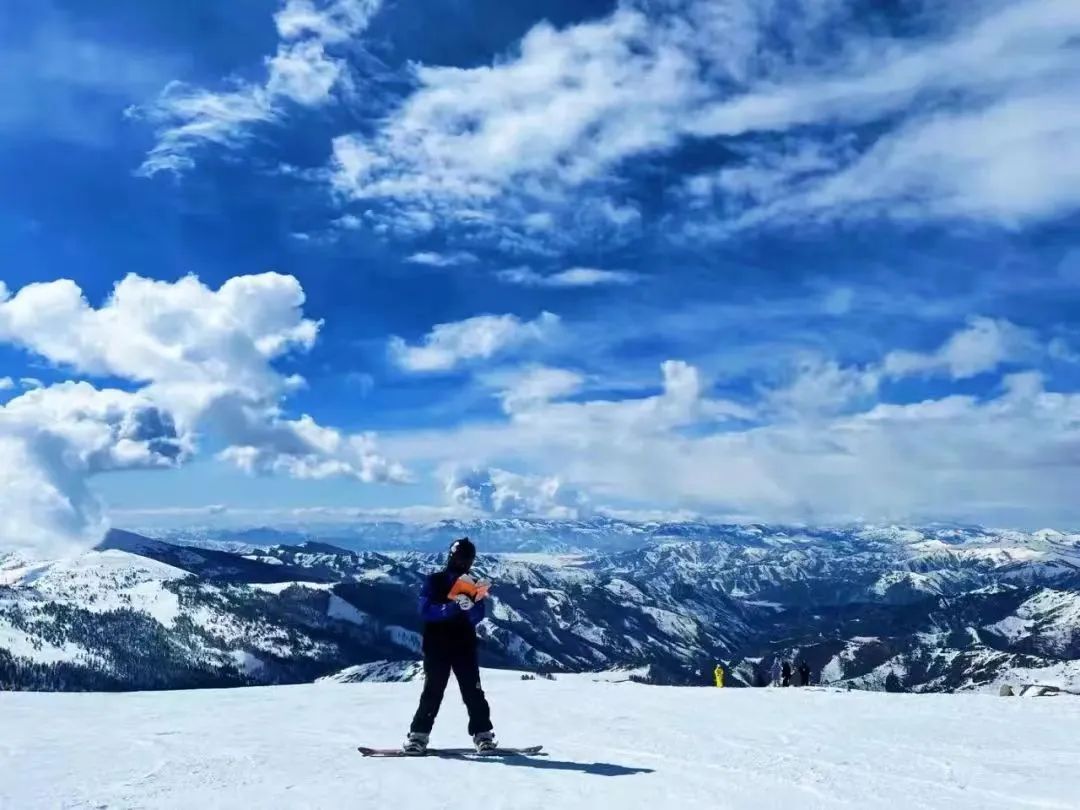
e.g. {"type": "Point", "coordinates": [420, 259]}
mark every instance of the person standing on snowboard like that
{"type": "Point", "coordinates": [452, 604]}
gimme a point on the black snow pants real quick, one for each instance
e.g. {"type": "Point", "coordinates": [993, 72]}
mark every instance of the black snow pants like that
{"type": "Point", "coordinates": [438, 664]}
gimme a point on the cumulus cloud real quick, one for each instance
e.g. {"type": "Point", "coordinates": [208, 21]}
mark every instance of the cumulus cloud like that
{"type": "Point", "coordinates": [983, 346]}
{"type": "Point", "coordinates": [595, 444]}
{"type": "Point", "coordinates": [166, 333]}
{"type": "Point", "coordinates": [52, 439]}
{"type": "Point", "coordinates": [822, 385]}
{"type": "Point", "coordinates": [302, 71]}
{"type": "Point", "coordinates": [449, 345]}
{"type": "Point", "coordinates": [821, 447]}
{"type": "Point", "coordinates": [497, 492]}
{"type": "Point", "coordinates": [303, 449]}
{"type": "Point", "coordinates": [972, 120]}
{"type": "Point", "coordinates": [203, 361]}
{"type": "Point", "coordinates": [573, 277]}
{"type": "Point", "coordinates": [6, 383]}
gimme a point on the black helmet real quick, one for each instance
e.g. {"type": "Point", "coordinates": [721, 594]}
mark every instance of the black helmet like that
{"type": "Point", "coordinates": [462, 555]}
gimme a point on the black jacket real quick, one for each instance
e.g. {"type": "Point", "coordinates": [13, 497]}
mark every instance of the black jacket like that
{"type": "Point", "coordinates": [446, 626]}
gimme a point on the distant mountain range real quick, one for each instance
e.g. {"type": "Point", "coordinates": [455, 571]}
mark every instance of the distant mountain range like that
{"type": "Point", "coordinates": [932, 609]}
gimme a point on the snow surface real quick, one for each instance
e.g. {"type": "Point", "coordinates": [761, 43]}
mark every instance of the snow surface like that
{"type": "Point", "coordinates": [611, 745]}
{"type": "Point", "coordinates": [340, 609]}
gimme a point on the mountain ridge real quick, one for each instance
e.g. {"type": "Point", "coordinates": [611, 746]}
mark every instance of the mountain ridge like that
{"type": "Point", "coordinates": [923, 609]}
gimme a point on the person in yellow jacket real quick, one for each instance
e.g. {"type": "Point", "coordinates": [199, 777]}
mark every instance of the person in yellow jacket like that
{"type": "Point", "coordinates": [718, 673]}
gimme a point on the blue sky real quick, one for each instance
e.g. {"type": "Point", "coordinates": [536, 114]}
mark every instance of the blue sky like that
{"type": "Point", "coordinates": [781, 260]}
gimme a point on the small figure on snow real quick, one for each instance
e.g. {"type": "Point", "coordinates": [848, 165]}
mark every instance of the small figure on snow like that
{"type": "Point", "coordinates": [718, 674]}
{"type": "Point", "coordinates": [804, 674]}
{"type": "Point", "coordinates": [452, 604]}
{"type": "Point", "coordinates": [775, 672]}
{"type": "Point", "coordinates": [785, 674]}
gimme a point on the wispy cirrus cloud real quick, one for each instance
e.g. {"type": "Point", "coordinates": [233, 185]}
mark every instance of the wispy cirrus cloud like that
{"type": "Point", "coordinates": [959, 122]}
{"type": "Point", "coordinates": [302, 72]}
{"type": "Point", "coordinates": [436, 259]}
{"type": "Point", "coordinates": [572, 277]}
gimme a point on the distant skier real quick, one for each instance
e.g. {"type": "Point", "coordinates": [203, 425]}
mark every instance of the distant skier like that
{"type": "Point", "coordinates": [775, 672]}
{"type": "Point", "coordinates": [452, 604]}
{"type": "Point", "coordinates": [718, 674]}
{"type": "Point", "coordinates": [785, 674]}
{"type": "Point", "coordinates": [804, 674]}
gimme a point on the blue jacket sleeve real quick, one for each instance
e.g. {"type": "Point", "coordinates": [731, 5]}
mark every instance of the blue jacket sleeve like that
{"type": "Point", "coordinates": [435, 611]}
{"type": "Point", "coordinates": [478, 612]}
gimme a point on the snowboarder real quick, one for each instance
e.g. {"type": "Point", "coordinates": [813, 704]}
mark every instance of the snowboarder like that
{"type": "Point", "coordinates": [804, 674]}
{"type": "Point", "coordinates": [452, 604]}
{"type": "Point", "coordinates": [718, 674]}
{"type": "Point", "coordinates": [785, 674]}
{"type": "Point", "coordinates": [776, 672]}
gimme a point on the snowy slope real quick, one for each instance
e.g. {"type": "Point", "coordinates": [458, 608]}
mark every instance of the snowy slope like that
{"type": "Point", "coordinates": [294, 747]}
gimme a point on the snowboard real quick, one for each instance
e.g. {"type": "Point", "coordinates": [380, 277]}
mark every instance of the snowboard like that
{"type": "Point", "coordinates": [530, 751]}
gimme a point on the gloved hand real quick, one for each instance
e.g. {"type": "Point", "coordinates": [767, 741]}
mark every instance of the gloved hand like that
{"type": "Point", "coordinates": [464, 602]}
{"type": "Point", "coordinates": [482, 588]}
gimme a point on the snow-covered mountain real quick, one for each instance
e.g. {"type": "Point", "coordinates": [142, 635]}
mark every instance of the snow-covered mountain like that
{"type": "Point", "coordinates": [608, 745]}
{"type": "Point", "coordinates": [496, 535]}
{"type": "Point", "coordinates": [378, 672]}
{"type": "Point", "coordinates": [883, 608]}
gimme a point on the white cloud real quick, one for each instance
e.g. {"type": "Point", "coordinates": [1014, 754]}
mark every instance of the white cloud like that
{"type": "Point", "coordinates": [1011, 162]}
{"type": "Point", "coordinates": [204, 361]}
{"type": "Point", "coordinates": [52, 440]}
{"type": "Point", "coordinates": [329, 23]}
{"type": "Point", "coordinates": [573, 277]}
{"type": "Point", "coordinates": [983, 346]}
{"type": "Point", "coordinates": [302, 71]}
{"type": "Point", "coordinates": [492, 491]}
{"type": "Point", "coordinates": [6, 383]}
{"type": "Point", "coordinates": [821, 385]}
{"type": "Point", "coordinates": [533, 386]}
{"type": "Point", "coordinates": [973, 120]}
{"type": "Point", "coordinates": [187, 118]}
{"type": "Point", "coordinates": [433, 259]}
{"type": "Point", "coordinates": [479, 338]}
{"type": "Point", "coordinates": [593, 444]}
{"type": "Point", "coordinates": [303, 449]}
{"type": "Point", "coordinates": [30, 383]}
{"type": "Point", "coordinates": [568, 105]}
{"type": "Point", "coordinates": [180, 335]}
{"type": "Point", "coordinates": [822, 448]}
